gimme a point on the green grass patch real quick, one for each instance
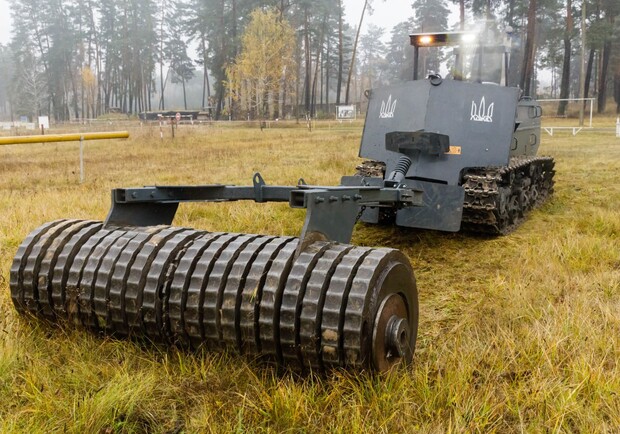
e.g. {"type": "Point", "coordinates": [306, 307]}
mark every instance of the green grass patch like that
{"type": "Point", "coordinates": [517, 334]}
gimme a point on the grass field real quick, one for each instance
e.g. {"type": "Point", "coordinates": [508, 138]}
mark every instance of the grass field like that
{"type": "Point", "coordinates": [517, 334]}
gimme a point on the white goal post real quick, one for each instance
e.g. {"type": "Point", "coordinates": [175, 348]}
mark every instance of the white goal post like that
{"type": "Point", "coordinates": [571, 102]}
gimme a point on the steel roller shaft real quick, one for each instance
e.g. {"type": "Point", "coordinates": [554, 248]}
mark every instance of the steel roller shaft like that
{"type": "Point", "coordinates": [328, 305]}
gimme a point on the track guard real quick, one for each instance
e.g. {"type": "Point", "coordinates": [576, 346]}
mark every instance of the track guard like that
{"type": "Point", "coordinates": [442, 210]}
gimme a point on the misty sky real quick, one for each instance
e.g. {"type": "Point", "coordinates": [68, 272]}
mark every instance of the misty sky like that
{"type": "Point", "coordinates": [387, 14]}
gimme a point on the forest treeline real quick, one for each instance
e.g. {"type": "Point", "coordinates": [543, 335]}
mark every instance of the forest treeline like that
{"type": "Point", "coordinates": [74, 59]}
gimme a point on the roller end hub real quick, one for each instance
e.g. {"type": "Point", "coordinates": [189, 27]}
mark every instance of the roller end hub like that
{"type": "Point", "coordinates": [395, 327]}
{"type": "Point", "coordinates": [397, 336]}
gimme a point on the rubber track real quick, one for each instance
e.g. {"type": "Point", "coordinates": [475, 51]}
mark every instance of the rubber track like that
{"type": "Point", "coordinates": [498, 198]}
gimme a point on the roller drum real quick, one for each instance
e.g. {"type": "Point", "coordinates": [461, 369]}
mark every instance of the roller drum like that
{"type": "Point", "coordinates": [329, 305]}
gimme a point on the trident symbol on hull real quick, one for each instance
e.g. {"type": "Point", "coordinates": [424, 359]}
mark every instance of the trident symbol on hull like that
{"type": "Point", "coordinates": [481, 113]}
{"type": "Point", "coordinates": [387, 108]}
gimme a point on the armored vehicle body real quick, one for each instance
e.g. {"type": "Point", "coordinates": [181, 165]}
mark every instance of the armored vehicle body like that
{"type": "Point", "coordinates": [471, 147]}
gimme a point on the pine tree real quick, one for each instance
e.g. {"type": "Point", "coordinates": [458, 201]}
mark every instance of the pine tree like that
{"type": "Point", "coordinates": [430, 16]}
{"type": "Point", "coordinates": [6, 74]}
{"type": "Point", "coordinates": [399, 57]}
{"type": "Point", "coordinates": [372, 57]}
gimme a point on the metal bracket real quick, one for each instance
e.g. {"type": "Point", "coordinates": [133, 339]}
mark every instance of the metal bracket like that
{"type": "Point", "coordinates": [331, 211]}
{"type": "Point", "coordinates": [259, 182]}
{"type": "Point", "coordinates": [330, 215]}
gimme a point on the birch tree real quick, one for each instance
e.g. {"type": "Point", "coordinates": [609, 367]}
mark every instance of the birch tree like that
{"type": "Point", "coordinates": [265, 66]}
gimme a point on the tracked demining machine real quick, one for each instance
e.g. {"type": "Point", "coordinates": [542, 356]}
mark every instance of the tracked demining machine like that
{"type": "Point", "coordinates": [444, 155]}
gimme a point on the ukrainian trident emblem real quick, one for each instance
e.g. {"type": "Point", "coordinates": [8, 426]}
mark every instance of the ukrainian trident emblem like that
{"type": "Point", "coordinates": [387, 108]}
{"type": "Point", "coordinates": [480, 112]}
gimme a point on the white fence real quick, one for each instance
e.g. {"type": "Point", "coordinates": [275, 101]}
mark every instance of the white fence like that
{"type": "Point", "coordinates": [12, 125]}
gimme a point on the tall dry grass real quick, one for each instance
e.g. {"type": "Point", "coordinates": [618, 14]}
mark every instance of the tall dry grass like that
{"type": "Point", "coordinates": [517, 334]}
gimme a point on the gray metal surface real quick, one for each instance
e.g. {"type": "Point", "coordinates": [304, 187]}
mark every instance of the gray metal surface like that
{"type": "Point", "coordinates": [479, 119]}
{"type": "Point", "coordinates": [442, 210]}
{"type": "Point", "coordinates": [442, 205]}
{"type": "Point", "coordinates": [526, 138]}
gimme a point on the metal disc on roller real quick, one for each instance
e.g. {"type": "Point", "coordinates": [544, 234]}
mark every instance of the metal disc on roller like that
{"type": "Point", "coordinates": [250, 296]}
{"type": "Point", "coordinates": [310, 317]}
{"type": "Point", "coordinates": [63, 266]}
{"type": "Point", "coordinates": [382, 274]}
{"type": "Point", "coordinates": [170, 242]}
{"type": "Point", "coordinates": [231, 294]}
{"type": "Point", "coordinates": [332, 318]}
{"type": "Point", "coordinates": [86, 290]}
{"type": "Point", "coordinates": [269, 307]}
{"type": "Point", "coordinates": [16, 279]}
{"type": "Point", "coordinates": [178, 291]}
{"type": "Point", "coordinates": [292, 297]}
{"type": "Point", "coordinates": [181, 243]}
{"type": "Point", "coordinates": [194, 313]}
{"type": "Point", "coordinates": [119, 276]}
{"type": "Point", "coordinates": [215, 284]}
{"type": "Point", "coordinates": [103, 275]}
{"type": "Point", "coordinates": [30, 269]}
{"type": "Point", "coordinates": [48, 263]}
{"type": "Point", "coordinates": [74, 298]}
